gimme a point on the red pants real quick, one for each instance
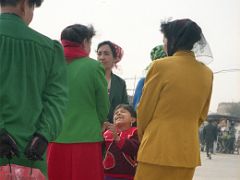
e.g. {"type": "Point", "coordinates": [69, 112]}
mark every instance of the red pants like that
{"type": "Point", "coordinates": [80, 161]}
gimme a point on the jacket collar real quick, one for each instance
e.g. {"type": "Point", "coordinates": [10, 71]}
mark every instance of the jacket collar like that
{"type": "Point", "coordinates": [11, 16]}
{"type": "Point", "coordinates": [184, 53]}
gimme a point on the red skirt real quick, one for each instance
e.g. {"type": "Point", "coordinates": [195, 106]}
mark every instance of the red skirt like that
{"type": "Point", "coordinates": [80, 161]}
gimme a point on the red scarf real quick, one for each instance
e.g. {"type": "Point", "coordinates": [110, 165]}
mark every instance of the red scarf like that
{"type": "Point", "coordinates": [73, 50]}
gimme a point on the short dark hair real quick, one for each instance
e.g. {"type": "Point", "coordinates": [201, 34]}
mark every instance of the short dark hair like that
{"type": "Point", "coordinates": [181, 34]}
{"type": "Point", "coordinates": [127, 107]}
{"type": "Point", "coordinates": [77, 33]}
{"type": "Point", "coordinates": [31, 3]}
{"type": "Point", "coordinates": [110, 44]}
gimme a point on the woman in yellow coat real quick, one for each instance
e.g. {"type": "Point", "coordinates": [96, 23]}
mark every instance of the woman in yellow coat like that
{"type": "Point", "coordinates": [174, 103]}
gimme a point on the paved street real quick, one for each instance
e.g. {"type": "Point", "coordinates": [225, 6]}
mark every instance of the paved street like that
{"type": "Point", "coordinates": [221, 167]}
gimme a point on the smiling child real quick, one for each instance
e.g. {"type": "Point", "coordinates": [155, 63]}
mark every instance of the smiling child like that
{"type": "Point", "coordinates": [122, 144]}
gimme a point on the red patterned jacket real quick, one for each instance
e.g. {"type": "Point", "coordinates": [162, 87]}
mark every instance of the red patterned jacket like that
{"type": "Point", "coordinates": [120, 160]}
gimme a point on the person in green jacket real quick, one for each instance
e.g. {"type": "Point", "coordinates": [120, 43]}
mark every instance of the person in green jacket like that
{"type": "Point", "coordinates": [109, 54]}
{"type": "Point", "coordinates": [33, 87]}
{"type": "Point", "coordinates": [77, 152]}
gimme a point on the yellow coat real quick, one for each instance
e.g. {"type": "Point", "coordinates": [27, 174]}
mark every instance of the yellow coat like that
{"type": "Point", "coordinates": [174, 103]}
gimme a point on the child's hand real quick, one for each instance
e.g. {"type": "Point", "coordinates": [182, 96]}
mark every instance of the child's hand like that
{"type": "Point", "coordinates": [113, 129]}
{"type": "Point", "coordinates": [105, 126]}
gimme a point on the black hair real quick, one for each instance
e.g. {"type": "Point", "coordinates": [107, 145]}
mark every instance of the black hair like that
{"type": "Point", "coordinates": [110, 44]}
{"type": "Point", "coordinates": [77, 33]}
{"type": "Point", "coordinates": [127, 107]}
{"type": "Point", "coordinates": [31, 3]}
{"type": "Point", "coordinates": [181, 34]}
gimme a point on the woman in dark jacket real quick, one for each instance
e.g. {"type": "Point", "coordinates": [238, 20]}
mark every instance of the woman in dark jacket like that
{"type": "Point", "coordinates": [109, 54]}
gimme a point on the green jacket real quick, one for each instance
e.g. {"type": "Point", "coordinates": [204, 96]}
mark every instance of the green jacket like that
{"type": "Point", "coordinates": [118, 94]}
{"type": "Point", "coordinates": [88, 102]}
{"type": "Point", "coordinates": [33, 85]}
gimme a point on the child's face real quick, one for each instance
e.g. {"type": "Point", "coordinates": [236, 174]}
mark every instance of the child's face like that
{"type": "Point", "coordinates": [122, 118]}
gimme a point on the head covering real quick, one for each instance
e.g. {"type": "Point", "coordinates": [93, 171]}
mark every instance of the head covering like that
{"type": "Point", "coordinates": [119, 52]}
{"type": "Point", "coordinates": [185, 34]}
{"type": "Point", "coordinates": [203, 51]}
{"type": "Point", "coordinates": [73, 50]}
{"type": "Point", "coordinates": [157, 52]}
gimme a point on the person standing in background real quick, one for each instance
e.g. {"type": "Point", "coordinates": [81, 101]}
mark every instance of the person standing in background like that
{"type": "Point", "coordinates": [174, 103]}
{"type": "Point", "coordinates": [210, 133]}
{"type": "Point", "coordinates": [77, 152]}
{"type": "Point", "coordinates": [156, 53]}
{"type": "Point", "coordinates": [109, 54]}
{"type": "Point", "coordinates": [33, 87]}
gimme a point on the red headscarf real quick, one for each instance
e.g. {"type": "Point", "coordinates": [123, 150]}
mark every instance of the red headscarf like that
{"type": "Point", "coordinates": [119, 52]}
{"type": "Point", "coordinates": [73, 50]}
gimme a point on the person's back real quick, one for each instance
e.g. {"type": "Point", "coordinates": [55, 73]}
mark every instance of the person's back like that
{"type": "Point", "coordinates": [33, 89]}
{"type": "Point", "coordinates": [26, 64]}
{"type": "Point", "coordinates": [210, 132]}
{"type": "Point", "coordinates": [77, 152]}
{"type": "Point", "coordinates": [180, 73]}
{"type": "Point", "coordinates": [138, 92]}
{"type": "Point", "coordinates": [156, 53]}
{"type": "Point", "coordinates": [174, 103]}
{"type": "Point", "coordinates": [85, 110]}
{"type": "Point", "coordinates": [186, 84]}
{"type": "Point", "coordinates": [210, 135]}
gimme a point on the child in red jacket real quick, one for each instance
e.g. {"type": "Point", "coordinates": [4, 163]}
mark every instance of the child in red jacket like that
{"type": "Point", "coordinates": [122, 144]}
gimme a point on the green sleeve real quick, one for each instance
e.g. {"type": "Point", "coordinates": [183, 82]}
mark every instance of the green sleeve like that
{"type": "Point", "coordinates": [54, 96]}
{"type": "Point", "coordinates": [101, 94]}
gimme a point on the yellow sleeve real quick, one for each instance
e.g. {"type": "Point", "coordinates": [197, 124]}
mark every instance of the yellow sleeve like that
{"type": "Point", "coordinates": [149, 99]}
{"type": "Point", "coordinates": [204, 112]}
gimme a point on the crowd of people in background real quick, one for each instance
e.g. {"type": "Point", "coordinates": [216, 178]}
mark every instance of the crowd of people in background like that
{"type": "Point", "coordinates": [215, 138]}
{"type": "Point", "coordinates": [68, 115]}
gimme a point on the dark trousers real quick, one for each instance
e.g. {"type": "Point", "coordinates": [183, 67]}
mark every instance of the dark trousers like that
{"type": "Point", "coordinates": [209, 147]}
